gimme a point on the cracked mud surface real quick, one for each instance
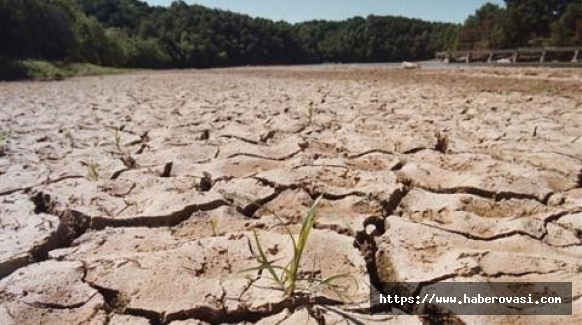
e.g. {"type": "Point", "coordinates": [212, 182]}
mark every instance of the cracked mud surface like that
{"type": "Point", "coordinates": [133, 199]}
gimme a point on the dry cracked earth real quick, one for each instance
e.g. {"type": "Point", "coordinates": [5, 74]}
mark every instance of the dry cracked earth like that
{"type": "Point", "coordinates": [133, 199]}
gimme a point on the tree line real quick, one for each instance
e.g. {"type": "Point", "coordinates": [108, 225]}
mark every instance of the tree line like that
{"type": "Point", "coordinates": [523, 23]}
{"type": "Point", "coordinates": [131, 33]}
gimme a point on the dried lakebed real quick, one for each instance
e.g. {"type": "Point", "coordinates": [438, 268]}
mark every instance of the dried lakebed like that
{"type": "Point", "coordinates": [133, 199]}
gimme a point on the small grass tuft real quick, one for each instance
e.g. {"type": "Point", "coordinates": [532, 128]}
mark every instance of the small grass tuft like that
{"type": "Point", "coordinates": [4, 135]}
{"type": "Point", "coordinates": [69, 136]}
{"type": "Point", "coordinates": [287, 278]}
{"type": "Point", "coordinates": [125, 156]}
{"type": "Point", "coordinates": [117, 141]}
{"type": "Point", "coordinates": [214, 226]}
{"type": "Point", "coordinates": [310, 113]}
{"type": "Point", "coordinates": [92, 172]}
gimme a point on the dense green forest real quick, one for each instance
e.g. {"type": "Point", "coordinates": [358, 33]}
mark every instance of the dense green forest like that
{"type": "Point", "coordinates": [523, 23]}
{"type": "Point", "coordinates": [130, 33]}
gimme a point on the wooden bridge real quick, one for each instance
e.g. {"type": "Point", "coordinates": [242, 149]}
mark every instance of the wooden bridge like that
{"type": "Point", "coordinates": [525, 55]}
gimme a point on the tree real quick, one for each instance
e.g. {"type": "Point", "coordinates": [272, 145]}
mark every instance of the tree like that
{"type": "Point", "coordinates": [132, 33]}
{"type": "Point", "coordinates": [529, 22]}
{"type": "Point", "coordinates": [567, 31]}
{"type": "Point", "coordinates": [484, 30]}
{"type": "Point", "coordinates": [35, 29]}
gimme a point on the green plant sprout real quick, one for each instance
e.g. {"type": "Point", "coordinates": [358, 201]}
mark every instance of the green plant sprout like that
{"type": "Point", "coordinates": [310, 113]}
{"type": "Point", "coordinates": [4, 135]}
{"type": "Point", "coordinates": [117, 141]}
{"type": "Point", "coordinates": [92, 173]}
{"type": "Point", "coordinates": [214, 226]}
{"type": "Point", "coordinates": [287, 278]}
{"type": "Point", "coordinates": [124, 156]}
{"type": "Point", "coordinates": [70, 138]}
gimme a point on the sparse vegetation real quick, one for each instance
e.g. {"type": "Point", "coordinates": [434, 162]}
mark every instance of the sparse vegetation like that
{"type": "Point", "coordinates": [92, 172]}
{"type": "Point", "coordinates": [214, 226]}
{"type": "Point", "coordinates": [310, 113]}
{"type": "Point", "coordinates": [69, 136]}
{"type": "Point", "coordinates": [4, 135]}
{"type": "Point", "coordinates": [117, 141]}
{"type": "Point", "coordinates": [43, 70]}
{"type": "Point", "coordinates": [288, 278]}
{"type": "Point", "coordinates": [125, 156]}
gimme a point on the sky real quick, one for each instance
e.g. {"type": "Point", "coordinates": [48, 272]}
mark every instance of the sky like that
{"type": "Point", "coordinates": [301, 10]}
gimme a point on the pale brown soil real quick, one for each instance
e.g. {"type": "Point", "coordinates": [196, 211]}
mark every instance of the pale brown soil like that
{"type": "Point", "coordinates": [132, 199]}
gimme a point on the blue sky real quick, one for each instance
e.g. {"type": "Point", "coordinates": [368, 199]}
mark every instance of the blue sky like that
{"type": "Point", "coordinates": [301, 10]}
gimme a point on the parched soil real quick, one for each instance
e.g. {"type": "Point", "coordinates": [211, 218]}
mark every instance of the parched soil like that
{"type": "Point", "coordinates": [133, 199]}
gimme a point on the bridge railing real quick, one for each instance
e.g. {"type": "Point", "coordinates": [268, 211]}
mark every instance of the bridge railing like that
{"type": "Point", "coordinates": [510, 55]}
